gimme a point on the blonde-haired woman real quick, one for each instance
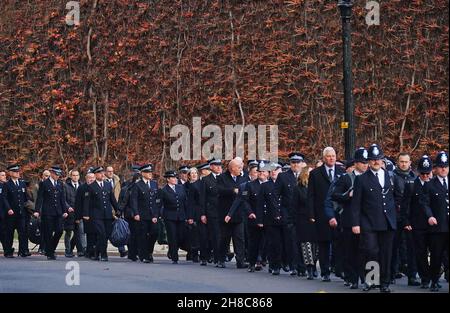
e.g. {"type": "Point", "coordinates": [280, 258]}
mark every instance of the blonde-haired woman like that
{"type": "Point", "coordinates": [306, 231]}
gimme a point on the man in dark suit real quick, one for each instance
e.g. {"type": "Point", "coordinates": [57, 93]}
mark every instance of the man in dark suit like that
{"type": "Point", "coordinates": [209, 216]}
{"type": "Point", "coordinates": [175, 213]}
{"type": "Point", "coordinates": [343, 195]}
{"type": "Point", "coordinates": [319, 182]}
{"type": "Point", "coordinates": [375, 217]}
{"type": "Point", "coordinates": [434, 200]}
{"type": "Point", "coordinates": [52, 207]}
{"type": "Point", "coordinates": [15, 217]}
{"type": "Point", "coordinates": [70, 227]}
{"type": "Point", "coordinates": [228, 187]}
{"type": "Point", "coordinates": [145, 205]}
{"type": "Point", "coordinates": [101, 209]}
{"type": "Point", "coordinates": [415, 220]}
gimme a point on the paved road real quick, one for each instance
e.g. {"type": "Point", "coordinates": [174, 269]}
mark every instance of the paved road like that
{"type": "Point", "coordinates": [36, 274]}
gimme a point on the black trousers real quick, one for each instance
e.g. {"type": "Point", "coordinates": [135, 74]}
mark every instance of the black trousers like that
{"type": "Point", "coordinates": [274, 235]}
{"type": "Point", "coordinates": [147, 236]}
{"type": "Point", "coordinates": [438, 245]}
{"type": "Point", "coordinates": [203, 240]}
{"type": "Point", "coordinates": [175, 233]}
{"type": "Point", "coordinates": [194, 237]}
{"type": "Point", "coordinates": [2, 234]}
{"type": "Point", "coordinates": [12, 223]}
{"type": "Point", "coordinates": [233, 231]}
{"type": "Point", "coordinates": [324, 257]}
{"type": "Point", "coordinates": [403, 253]}
{"type": "Point", "coordinates": [337, 250]}
{"type": "Point", "coordinates": [53, 230]}
{"type": "Point", "coordinates": [133, 240]}
{"type": "Point", "coordinates": [290, 246]}
{"type": "Point", "coordinates": [352, 258]}
{"type": "Point", "coordinates": [103, 228]}
{"type": "Point", "coordinates": [421, 247]}
{"type": "Point", "coordinates": [212, 239]}
{"type": "Point", "coordinates": [377, 247]}
{"type": "Point", "coordinates": [256, 238]}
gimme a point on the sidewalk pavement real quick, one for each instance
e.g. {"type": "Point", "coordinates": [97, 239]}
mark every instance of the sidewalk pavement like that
{"type": "Point", "coordinates": [160, 250]}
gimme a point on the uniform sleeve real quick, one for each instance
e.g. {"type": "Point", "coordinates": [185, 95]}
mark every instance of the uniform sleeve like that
{"type": "Point", "coordinates": [405, 210]}
{"type": "Point", "coordinates": [341, 190]}
{"type": "Point", "coordinates": [425, 200]}
{"type": "Point", "coordinates": [87, 202]}
{"type": "Point", "coordinates": [40, 198]}
{"type": "Point", "coordinates": [114, 203]}
{"type": "Point", "coordinates": [133, 200]}
{"type": "Point", "coordinates": [311, 195]}
{"type": "Point", "coordinates": [202, 197]}
{"type": "Point", "coordinates": [357, 202]}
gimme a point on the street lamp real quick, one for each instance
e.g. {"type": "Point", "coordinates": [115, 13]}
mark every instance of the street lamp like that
{"type": "Point", "coordinates": [345, 6]}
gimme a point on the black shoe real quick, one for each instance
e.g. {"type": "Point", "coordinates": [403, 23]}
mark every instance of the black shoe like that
{"type": "Point", "coordinates": [203, 263]}
{"type": "Point", "coordinates": [229, 257]}
{"type": "Point", "coordinates": [95, 258]}
{"type": "Point", "coordinates": [80, 254]}
{"type": "Point", "coordinates": [169, 256]}
{"type": "Point", "coordinates": [51, 257]}
{"type": "Point", "coordinates": [425, 285]}
{"type": "Point", "coordinates": [174, 262]}
{"type": "Point", "coordinates": [41, 252]}
{"type": "Point", "coordinates": [258, 267]}
{"type": "Point", "coordinates": [368, 287]}
{"type": "Point", "coordinates": [22, 255]}
{"type": "Point", "coordinates": [293, 273]}
{"type": "Point", "coordinates": [241, 265]}
{"type": "Point", "coordinates": [398, 275]}
{"type": "Point", "coordinates": [413, 282]}
{"type": "Point", "coordinates": [354, 286]}
{"type": "Point", "coordinates": [220, 265]}
{"type": "Point", "coordinates": [309, 274]}
{"type": "Point", "coordinates": [438, 285]}
{"type": "Point", "coordinates": [276, 272]}
{"type": "Point", "coordinates": [270, 270]}
{"type": "Point", "coordinates": [27, 253]}
{"type": "Point", "coordinates": [104, 259]}
{"type": "Point", "coordinates": [145, 261]}
{"type": "Point", "coordinates": [69, 255]}
{"type": "Point", "coordinates": [385, 289]}
{"type": "Point", "coordinates": [251, 269]}
{"type": "Point", "coordinates": [134, 259]}
{"type": "Point", "coordinates": [434, 288]}
{"type": "Point", "coordinates": [123, 254]}
{"type": "Point", "coordinates": [315, 273]}
{"type": "Point", "coordinates": [301, 274]}
{"type": "Point", "coordinates": [9, 256]}
{"type": "Point", "coordinates": [347, 283]}
{"type": "Point", "coordinates": [392, 282]}
{"type": "Point", "coordinates": [326, 278]}
{"type": "Point", "coordinates": [285, 269]}
{"type": "Point", "coordinates": [151, 258]}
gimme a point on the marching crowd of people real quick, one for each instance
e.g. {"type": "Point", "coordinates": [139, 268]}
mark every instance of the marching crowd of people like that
{"type": "Point", "coordinates": [340, 217]}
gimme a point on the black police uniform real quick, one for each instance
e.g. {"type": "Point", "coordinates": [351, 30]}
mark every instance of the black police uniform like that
{"type": "Point", "coordinates": [101, 209]}
{"type": "Point", "coordinates": [51, 205]}
{"type": "Point", "coordinates": [175, 213]}
{"type": "Point", "coordinates": [434, 200]}
{"type": "Point", "coordinates": [373, 209]}
{"type": "Point", "coordinates": [146, 203]}
{"type": "Point", "coordinates": [16, 197]}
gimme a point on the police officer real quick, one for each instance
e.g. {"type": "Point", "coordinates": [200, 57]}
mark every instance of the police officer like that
{"type": "Point", "coordinates": [183, 172]}
{"type": "Point", "coordinates": [415, 220]}
{"type": "Point", "coordinates": [374, 216]}
{"type": "Point", "coordinates": [51, 205]}
{"type": "Point", "coordinates": [101, 209]}
{"type": "Point", "coordinates": [15, 217]}
{"type": "Point", "coordinates": [343, 194]}
{"type": "Point", "coordinates": [174, 212]}
{"type": "Point", "coordinates": [435, 202]}
{"type": "Point", "coordinates": [209, 197]}
{"type": "Point", "coordinates": [145, 205]}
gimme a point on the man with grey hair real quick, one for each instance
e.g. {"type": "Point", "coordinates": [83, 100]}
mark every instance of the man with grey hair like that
{"type": "Point", "coordinates": [319, 182]}
{"type": "Point", "coordinates": [227, 186]}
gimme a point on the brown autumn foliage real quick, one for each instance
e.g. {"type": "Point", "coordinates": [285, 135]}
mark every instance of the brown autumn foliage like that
{"type": "Point", "coordinates": [156, 63]}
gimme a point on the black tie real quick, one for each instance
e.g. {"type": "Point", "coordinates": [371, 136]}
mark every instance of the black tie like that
{"type": "Point", "coordinates": [149, 185]}
{"type": "Point", "coordinates": [445, 184]}
{"type": "Point", "coordinates": [330, 174]}
{"type": "Point", "coordinates": [17, 184]}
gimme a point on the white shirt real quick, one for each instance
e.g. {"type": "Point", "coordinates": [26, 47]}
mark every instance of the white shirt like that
{"type": "Point", "coordinates": [100, 183]}
{"type": "Point", "coordinates": [422, 182]}
{"type": "Point", "coordinates": [357, 173]}
{"type": "Point", "coordinates": [75, 185]}
{"type": "Point", "coordinates": [52, 181]}
{"type": "Point", "coordinates": [172, 186]}
{"type": "Point", "coordinates": [328, 171]}
{"type": "Point", "coordinates": [380, 176]}
{"type": "Point", "coordinates": [441, 180]}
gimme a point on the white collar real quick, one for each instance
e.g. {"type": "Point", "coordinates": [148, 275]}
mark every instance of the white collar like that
{"type": "Point", "coordinates": [329, 168]}
{"type": "Point", "coordinates": [357, 173]}
{"type": "Point", "coordinates": [441, 179]}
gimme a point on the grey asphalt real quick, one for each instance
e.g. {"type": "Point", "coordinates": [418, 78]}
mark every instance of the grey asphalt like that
{"type": "Point", "coordinates": [37, 275]}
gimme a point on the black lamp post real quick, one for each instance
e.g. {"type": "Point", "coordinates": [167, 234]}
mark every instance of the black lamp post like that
{"type": "Point", "coordinates": [345, 6]}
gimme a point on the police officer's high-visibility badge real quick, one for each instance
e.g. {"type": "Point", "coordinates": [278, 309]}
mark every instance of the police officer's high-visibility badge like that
{"type": "Point", "coordinates": [365, 154]}
{"type": "Point", "coordinates": [376, 151]}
